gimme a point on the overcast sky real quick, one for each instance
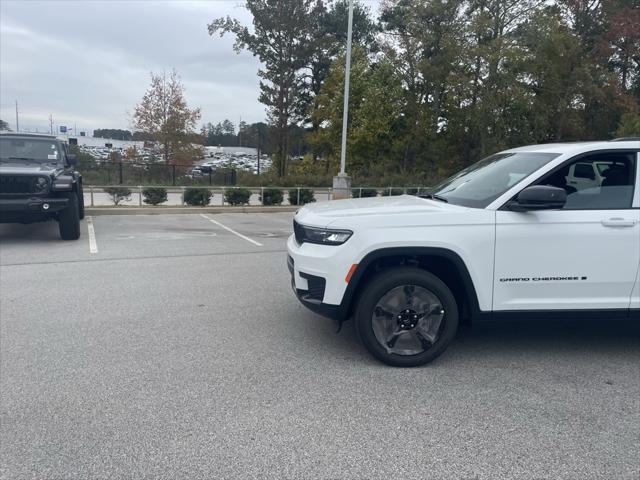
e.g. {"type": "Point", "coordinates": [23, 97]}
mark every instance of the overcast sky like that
{"type": "Point", "coordinates": [88, 62]}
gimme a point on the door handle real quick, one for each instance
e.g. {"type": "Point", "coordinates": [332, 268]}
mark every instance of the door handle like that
{"type": "Point", "coordinates": [618, 222]}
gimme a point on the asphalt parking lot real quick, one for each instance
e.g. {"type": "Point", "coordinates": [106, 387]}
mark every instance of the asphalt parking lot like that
{"type": "Point", "coordinates": [171, 346]}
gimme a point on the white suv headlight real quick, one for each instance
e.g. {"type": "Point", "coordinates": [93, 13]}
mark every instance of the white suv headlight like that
{"type": "Point", "coordinates": [321, 236]}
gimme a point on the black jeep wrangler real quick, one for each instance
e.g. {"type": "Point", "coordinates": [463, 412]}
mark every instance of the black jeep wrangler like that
{"type": "Point", "coordinates": [38, 182]}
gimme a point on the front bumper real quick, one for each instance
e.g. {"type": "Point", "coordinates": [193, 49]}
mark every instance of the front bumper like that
{"type": "Point", "coordinates": [317, 286]}
{"type": "Point", "coordinates": [309, 299]}
{"type": "Point", "coordinates": [32, 205]}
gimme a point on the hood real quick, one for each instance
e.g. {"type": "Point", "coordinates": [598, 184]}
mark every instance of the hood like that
{"type": "Point", "coordinates": [325, 213]}
{"type": "Point", "coordinates": [16, 168]}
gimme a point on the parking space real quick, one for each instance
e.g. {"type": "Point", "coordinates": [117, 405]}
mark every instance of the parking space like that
{"type": "Point", "coordinates": [39, 243]}
{"type": "Point", "coordinates": [134, 236]}
{"type": "Point", "coordinates": [176, 350]}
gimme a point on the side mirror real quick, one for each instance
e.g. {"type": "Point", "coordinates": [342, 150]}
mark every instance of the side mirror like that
{"type": "Point", "coordinates": [72, 160]}
{"type": "Point", "coordinates": [539, 197]}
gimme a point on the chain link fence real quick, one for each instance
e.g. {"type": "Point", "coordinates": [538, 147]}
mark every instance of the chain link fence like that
{"type": "Point", "coordinates": [133, 174]}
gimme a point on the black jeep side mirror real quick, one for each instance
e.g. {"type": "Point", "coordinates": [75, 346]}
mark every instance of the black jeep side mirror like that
{"type": "Point", "coordinates": [539, 197]}
{"type": "Point", "coordinates": [72, 160]}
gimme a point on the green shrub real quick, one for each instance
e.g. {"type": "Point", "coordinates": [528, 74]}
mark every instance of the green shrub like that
{"type": "Point", "coordinates": [197, 196]}
{"type": "Point", "coordinates": [365, 192]}
{"type": "Point", "coordinates": [306, 196]}
{"type": "Point", "coordinates": [118, 194]}
{"type": "Point", "coordinates": [272, 196]}
{"type": "Point", "coordinates": [154, 195]}
{"type": "Point", "coordinates": [393, 192]}
{"type": "Point", "coordinates": [237, 196]}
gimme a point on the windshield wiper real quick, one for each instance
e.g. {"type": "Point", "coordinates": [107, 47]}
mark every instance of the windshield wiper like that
{"type": "Point", "coordinates": [433, 196]}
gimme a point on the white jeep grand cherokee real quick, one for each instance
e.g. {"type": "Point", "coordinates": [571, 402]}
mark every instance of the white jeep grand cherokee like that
{"type": "Point", "coordinates": [514, 234]}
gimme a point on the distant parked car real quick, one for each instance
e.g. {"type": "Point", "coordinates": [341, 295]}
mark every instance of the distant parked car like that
{"type": "Point", "coordinates": [195, 173]}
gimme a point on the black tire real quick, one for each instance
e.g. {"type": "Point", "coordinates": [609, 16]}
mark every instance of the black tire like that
{"type": "Point", "coordinates": [69, 219]}
{"type": "Point", "coordinates": [81, 202]}
{"type": "Point", "coordinates": [378, 289]}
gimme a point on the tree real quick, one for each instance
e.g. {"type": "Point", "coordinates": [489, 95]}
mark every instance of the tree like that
{"type": "Point", "coordinates": [114, 133]}
{"type": "Point", "coordinates": [163, 113]}
{"type": "Point", "coordinates": [327, 43]}
{"type": "Point", "coordinates": [142, 137]}
{"type": "Point", "coordinates": [437, 84]}
{"type": "Point", "coordinates": [4, 126]}
{"type": "Point", "coordinates": [260, 136]}
{"type": "Point", "coordinates": [425, 41]}
{"type": "Point", "coordinates": [622, 40]}
{"type": "Point", "coordinates": [375, 108]}
{"type": "Point", "coordinates": [242, 129]}
{"type": "Point", "coordinates": [551, 56]}
{"type": "Point", "coordinates": [609, 41]}
{"type": "Point", "coordinates": [281, 40]}
{"type": "Point", "coordinates": [629, 125]}
{"type": "Point", "coordinates": [228, 128]}
{"type": "Point", "coordinates": [223, 133]}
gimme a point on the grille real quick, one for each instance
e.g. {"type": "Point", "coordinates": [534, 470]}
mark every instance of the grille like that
{"type": "Point", "coordinates": [21, 184]}
{"type": "Point", "coordinates": [298, 232]}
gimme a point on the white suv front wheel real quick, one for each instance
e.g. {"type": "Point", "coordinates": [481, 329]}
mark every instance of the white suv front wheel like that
{"type": "Point", "coordinates": [406, 317]}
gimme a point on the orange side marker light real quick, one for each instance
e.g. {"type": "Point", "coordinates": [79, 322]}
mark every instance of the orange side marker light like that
{"type": "Point", "coordinates": [350, 273]}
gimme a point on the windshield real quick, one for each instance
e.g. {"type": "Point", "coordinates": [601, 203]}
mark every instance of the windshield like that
{"type": "Point", "coordinates": [29, 149]}
{"type": "Point", "coordinates": [481, 183]}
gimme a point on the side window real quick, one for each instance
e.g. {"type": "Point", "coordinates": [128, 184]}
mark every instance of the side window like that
{"type": "Point", "coordinates": [603, 181]}
{"type": "Point", "coordinates": [584, 170]}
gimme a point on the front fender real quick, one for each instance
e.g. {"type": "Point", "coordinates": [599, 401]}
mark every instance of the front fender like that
{"type": "Point", "coordinates": [394, 252]}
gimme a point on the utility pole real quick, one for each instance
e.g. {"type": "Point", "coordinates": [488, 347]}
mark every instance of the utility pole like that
{"type": "Point", "coordinates": [17, 123]}
{"type": "Point", "coordinates": [240, 131]}
{"type": "Point", "coordinates": [259, 140]}
{"type": "Point", "coordinates": [342, 182]}
{"type": "Point", "coordinates": [51, 124]}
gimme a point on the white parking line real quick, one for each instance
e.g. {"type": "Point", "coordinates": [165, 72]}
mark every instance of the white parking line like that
{"type": "Point", "coordinates": [93, 246]}
{"type": "Point", "coordinates": [231, 230]}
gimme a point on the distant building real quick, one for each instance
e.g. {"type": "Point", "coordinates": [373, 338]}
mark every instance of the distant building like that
{"type": "Point", "coordinates": [99, 142]}
{"type": "Point", "coordinates": [230, 150]}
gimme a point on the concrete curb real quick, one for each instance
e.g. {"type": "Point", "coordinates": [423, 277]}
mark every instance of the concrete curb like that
{"type": "Point", "coordinates": [96, 211]}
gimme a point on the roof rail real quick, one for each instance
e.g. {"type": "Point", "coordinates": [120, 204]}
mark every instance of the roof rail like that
{"type": "Point", "coordinates": [626, 139]}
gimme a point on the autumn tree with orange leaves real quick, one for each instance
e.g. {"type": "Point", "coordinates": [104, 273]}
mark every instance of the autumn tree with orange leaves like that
{"type": "Point", "coordinates": [164, 114]}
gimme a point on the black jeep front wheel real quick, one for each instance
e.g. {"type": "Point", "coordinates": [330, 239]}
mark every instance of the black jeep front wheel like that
{"type": "Point", "coordinates": [406, 317]}
{"type": "Point", "coordinates": [69, 219]}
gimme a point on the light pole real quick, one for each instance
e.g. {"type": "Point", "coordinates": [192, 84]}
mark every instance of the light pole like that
{"type": "Point", "coordinates": [342, 182]}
